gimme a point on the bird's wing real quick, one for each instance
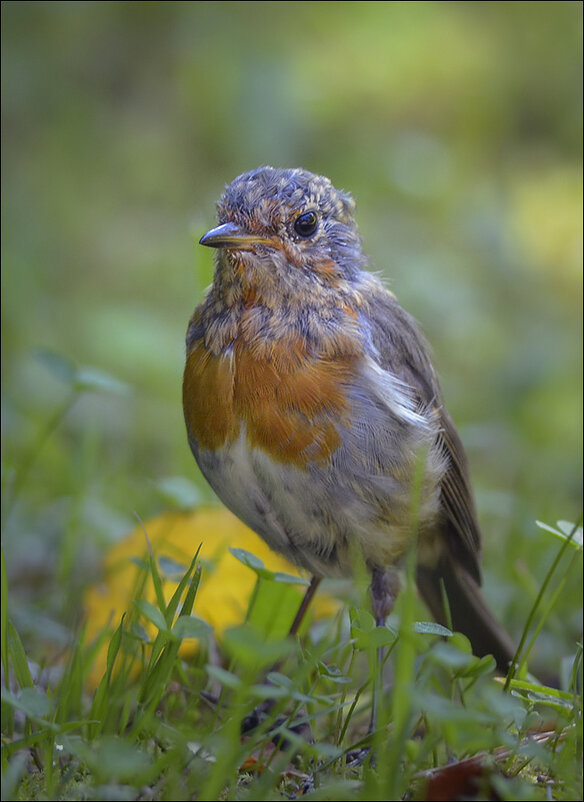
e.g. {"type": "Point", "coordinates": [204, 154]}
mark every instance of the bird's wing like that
{"type": "Point", "coordinates": [402, 349]}
{"type": "Point", "coordinates": [458, 501]}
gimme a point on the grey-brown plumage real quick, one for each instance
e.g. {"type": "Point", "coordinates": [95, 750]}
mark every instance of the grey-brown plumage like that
{"type": "Point", "coordinates": [311, 400]}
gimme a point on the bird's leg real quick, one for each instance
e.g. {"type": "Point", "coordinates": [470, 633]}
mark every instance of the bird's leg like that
{"type": "Point", "coordinates": [308, 596]}
{"type": "Point", "coordinates": [253, 720]}
{"type": "Point", "coordinates": [384, 589]}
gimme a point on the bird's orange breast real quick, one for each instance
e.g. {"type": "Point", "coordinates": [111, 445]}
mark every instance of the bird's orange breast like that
{"type": "Point", "coordinates": [293, 404]}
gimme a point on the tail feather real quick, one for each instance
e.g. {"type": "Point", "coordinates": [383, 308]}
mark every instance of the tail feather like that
{"type": "Point", "coordinates": [469, 610]}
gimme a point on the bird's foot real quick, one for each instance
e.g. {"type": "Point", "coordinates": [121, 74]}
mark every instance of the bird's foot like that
{"type": "Point", "coordinates": [259, 715]}
{"type": "Point", "coordinates": [360, 756]}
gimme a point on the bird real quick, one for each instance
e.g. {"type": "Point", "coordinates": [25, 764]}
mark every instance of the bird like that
{"type": "Point", "coordinates": [315, 413]}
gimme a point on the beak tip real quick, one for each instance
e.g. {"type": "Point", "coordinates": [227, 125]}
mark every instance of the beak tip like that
{"type": "Point", "coordinates": [219, 236]}
{"type": "Point", "coordinates": [230, 235]}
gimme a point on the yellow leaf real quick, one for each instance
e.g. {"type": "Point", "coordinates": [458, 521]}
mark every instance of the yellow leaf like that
{"type": "Point", "coordinates": [226, 584]}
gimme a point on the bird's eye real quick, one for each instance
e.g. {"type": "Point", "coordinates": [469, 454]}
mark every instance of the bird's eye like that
{"type": "Point", "coordinates": [305, 224]}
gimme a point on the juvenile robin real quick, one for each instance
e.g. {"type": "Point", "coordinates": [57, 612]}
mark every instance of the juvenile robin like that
{"type": "Point", "coordinates": [314, 411]}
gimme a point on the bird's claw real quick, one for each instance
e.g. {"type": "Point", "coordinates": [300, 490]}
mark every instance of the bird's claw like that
{"type": "Point", "coordinates": [357, 757]}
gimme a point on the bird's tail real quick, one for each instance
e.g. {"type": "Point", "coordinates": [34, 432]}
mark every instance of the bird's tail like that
{"type": "Point", "coordinates": [469, 611]}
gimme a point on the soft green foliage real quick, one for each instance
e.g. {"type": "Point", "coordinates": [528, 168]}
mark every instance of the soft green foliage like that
{"type": "Point", "coordinates": [457, 127]}
{"type": "Point", "coordinates": [154, 722]}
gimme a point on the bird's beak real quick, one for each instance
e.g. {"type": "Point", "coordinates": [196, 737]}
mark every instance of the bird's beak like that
{"type": "Point", "coordinates": [230, 235]}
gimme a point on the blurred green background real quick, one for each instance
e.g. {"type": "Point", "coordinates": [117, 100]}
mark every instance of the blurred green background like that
{"type": "Point", "coordinates": [457, 127]}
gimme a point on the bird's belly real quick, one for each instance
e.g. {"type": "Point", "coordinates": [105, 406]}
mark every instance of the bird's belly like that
{"type": "Point", "coordinates": [322, 517]}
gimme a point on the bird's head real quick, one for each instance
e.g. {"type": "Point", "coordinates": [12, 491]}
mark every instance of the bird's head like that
{"type": "Point", "coordinates": [286, 229]}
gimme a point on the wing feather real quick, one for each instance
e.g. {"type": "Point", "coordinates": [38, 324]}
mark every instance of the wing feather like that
{"type": "Point", "coordinates": [402, 349]}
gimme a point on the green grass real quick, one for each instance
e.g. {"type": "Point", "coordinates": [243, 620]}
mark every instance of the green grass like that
{"type": "Point", "coordinates": [158, 727]}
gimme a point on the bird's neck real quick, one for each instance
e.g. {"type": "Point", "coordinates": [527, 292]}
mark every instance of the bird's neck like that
{"type": "Point", "coordinates": [266, 316]}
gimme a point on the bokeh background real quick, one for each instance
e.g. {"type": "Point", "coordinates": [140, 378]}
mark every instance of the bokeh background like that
{"type": "Point", "coordinates": [457, 127]}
